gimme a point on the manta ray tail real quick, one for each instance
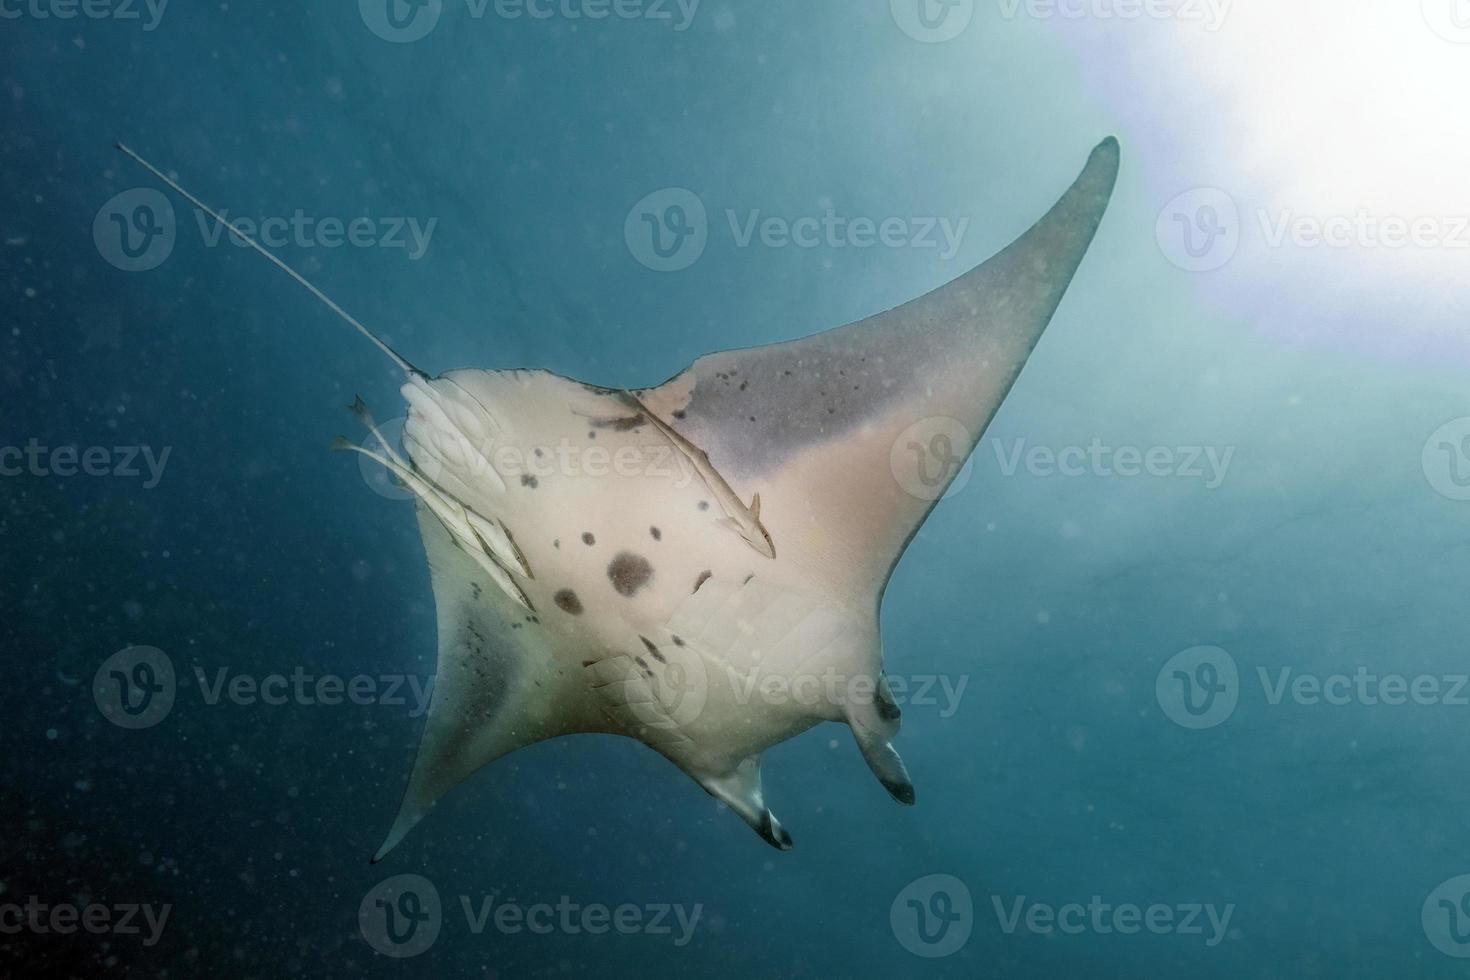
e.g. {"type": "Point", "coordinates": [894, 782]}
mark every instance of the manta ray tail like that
{"type": "Point", "coordinates": [382, 345]}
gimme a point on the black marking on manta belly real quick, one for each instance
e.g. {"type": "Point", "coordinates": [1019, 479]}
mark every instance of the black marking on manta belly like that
{"type": "Point", "coordinates": [704, 577]}
{"type": "Point", "coordinates": [627, 424]}
{"type": "Point", "coordinates": [678, 640]}
{"type": "Point", "coordinates": [680, 413]}
{"type": "Point", "coordinates": [527, 480]}
{"type": "Point", "coordinates": [653, 650]}
{"type": "Point", "coordinates": [704, 505]}
{"type": "Point", "coordinates": [588, 538]}
{"type": "Point", "coordinates": [567, 601]}
{"type": "Point", "coordinates": [629, 573]}
{"type": "Point", "coordinates": [656, 533]}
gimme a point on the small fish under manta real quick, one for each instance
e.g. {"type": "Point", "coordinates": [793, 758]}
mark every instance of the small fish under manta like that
{"type": "Point", "coordinates": [656, 604]}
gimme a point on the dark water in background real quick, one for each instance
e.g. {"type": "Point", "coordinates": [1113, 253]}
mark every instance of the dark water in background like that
{"type": "Point", "coordinates": [1056, 599]}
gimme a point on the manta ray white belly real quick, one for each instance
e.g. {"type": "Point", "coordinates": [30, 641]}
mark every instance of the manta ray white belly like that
{"type": "Point", "coordinates": [648, 615]}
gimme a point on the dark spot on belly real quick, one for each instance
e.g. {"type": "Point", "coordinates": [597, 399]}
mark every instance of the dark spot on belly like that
{"type": "Point", "coordinates": [588, 663]}
{"type": "Point", "coordinates": [704, 577]}
{"type": "Point", "coordinates": [704, 505]}
{"type": "Point", "coordinates": [588, 539]}
{"type": "Point", "coordinates": [648, 644]}
{"type": "Point", "coordinates": [657, 534]}
{"type": "Point", "coordinates": [641, 662]}
{"type": "Point", "coordinates": [679, 414]}
{"type": "Point", "coordinates": [678, 640]}
{"type": "Point", "coordinates": [527, 480]}
{"type": "Point", "coordinates": [748, 578]}
{"type": "Point", "coordinates": [629, 573]}
{"type": "Point", "coordinates": [619, 425]}
{"type": "Point", "coordinates": [567, 600]}
{"type": "Point", "coordinates": [556, 544]}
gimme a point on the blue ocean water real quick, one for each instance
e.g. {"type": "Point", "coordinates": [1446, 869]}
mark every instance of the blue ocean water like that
{"type": "Point", "coordinates": [1184, 650]}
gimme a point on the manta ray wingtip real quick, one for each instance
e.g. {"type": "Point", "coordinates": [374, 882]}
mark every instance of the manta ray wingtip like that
{"type": "Point", "coordinates": [775, 834]}
{"type": "Point", "coordinates": [903, 792]}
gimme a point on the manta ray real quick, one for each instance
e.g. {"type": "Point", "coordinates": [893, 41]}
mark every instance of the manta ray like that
{"type": "Point", "coordinates": [700, 565]}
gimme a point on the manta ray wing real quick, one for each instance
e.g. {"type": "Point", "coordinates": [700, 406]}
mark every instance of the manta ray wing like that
{"type": "Point", "coordinates": [497, 687]}
{"type": "Point", "coordinates": [836, 431]}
